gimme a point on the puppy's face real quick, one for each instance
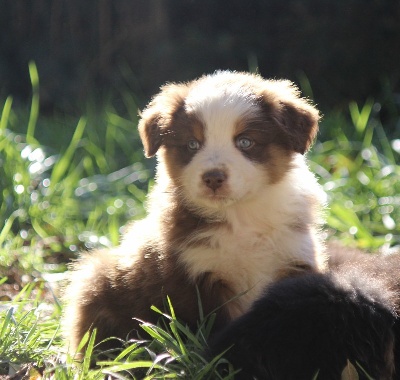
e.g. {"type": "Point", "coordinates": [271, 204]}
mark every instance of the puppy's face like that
{"type": "Point", "coordinates": [224, 138]}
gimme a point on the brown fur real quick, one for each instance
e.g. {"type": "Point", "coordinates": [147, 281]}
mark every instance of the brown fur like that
{"type": "Point", "coordinates": [120, 294]}
{"type": "Point", "coordinates": [114, 291]}
{"type": "Point", "coordinates": [383, 268]}
{"type": "Point", "coordinates": [383, 272]}
{"type": "Point", "coordinates": [294, 270]}
{"type": "Point", "coordinates": [296, 118]}
{"type": "Point", "coordinates": [109, 289]}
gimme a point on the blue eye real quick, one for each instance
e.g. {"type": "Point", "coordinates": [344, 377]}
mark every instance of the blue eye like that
{"type": "Point", "coordinates": [243, 143]}
{"type": "Point", "coordinates": [193, 145]}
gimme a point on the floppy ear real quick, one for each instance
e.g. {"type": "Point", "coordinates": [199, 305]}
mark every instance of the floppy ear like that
{"type": "Point", "coordinates": [296, 117]}
{"type": "Point", "coordinates": [150, 133]}
{"type": "Point", "coordinates": [299, 121]}
{"type": "Point", "coordinates": [158, 116]}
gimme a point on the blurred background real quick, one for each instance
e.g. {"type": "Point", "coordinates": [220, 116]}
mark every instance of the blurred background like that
{"type": "Point", "coordinates": [346, 49]}
{"type": "Point", "coordinates": [74, 75]}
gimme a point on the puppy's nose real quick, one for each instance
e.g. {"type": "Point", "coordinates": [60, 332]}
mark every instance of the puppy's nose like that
{"type": "Point", "coordinates": [214, 178]}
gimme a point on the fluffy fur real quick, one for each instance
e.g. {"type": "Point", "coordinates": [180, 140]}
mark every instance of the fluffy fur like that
{"type": "Point", "coordinates": [318, 323]}
{"type": "Point", "coordinates": [234, 208]}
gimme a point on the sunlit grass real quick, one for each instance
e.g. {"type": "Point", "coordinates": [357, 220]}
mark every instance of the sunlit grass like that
{"type": "Point", "coordinates": [358, 167]}
{"type": "Point", "coordinates": [30, 340]}
{"type": "Point", "coordinates": [28, 328]}
{"type": "Point", "coordinates": [57, 202]}
{"type": "Point", "coordinates": [77, 193]}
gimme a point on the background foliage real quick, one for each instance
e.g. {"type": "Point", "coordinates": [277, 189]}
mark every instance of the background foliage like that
{"type": "Point", "coordinates": [347, 48]}
{"type": "Point", "coordinates": [73, 76]}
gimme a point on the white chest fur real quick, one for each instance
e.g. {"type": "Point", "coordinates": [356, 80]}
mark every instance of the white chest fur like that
{"type": "Point", "coordinates": [257, 241]}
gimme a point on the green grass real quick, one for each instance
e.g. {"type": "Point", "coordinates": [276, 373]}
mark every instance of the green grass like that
{"type": "Point", "coordinates": [69, 184]}
{"type": "Point", "coordinates": [358, 167]}
{"type": "Point", "coordinates": [54, 203]}
{"type": "Point", "coordinates": [29, 328]}
{"type": "Point", "coordinates": [29, 334]}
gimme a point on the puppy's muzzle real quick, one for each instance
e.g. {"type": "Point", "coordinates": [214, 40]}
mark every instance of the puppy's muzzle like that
{"type": "Point", "coordinates": [214, 179]}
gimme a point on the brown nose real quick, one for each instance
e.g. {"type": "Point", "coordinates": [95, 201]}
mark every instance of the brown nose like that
{"type": "Point", "coordinates": [214, 179]}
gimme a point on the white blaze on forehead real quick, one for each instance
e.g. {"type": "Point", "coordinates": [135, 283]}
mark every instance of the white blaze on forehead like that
{"type": "Point", "coordinates": [220, 101]}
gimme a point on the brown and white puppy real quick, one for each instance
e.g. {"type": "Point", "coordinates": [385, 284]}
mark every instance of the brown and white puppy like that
{"type": "Point", "coordinates": [234, 208]}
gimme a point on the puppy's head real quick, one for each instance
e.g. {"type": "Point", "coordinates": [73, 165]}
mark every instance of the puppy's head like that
{"type": "Point", "coordinates": [225, 137]}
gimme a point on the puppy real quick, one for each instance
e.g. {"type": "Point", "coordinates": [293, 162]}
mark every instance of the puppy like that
{"type": "Point", "coordinates": [234, 209]}
{"type": "Point", "coordinates": [318, 323]}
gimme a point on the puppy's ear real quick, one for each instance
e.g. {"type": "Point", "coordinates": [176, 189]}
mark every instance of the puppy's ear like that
{"type": "Point", "coordinates": [158, 116]}
{"type": "Point", "coordinates": [296, 116]}
{"type": "Point", "coordinates": [299, 120]}
{"type": "Point", "coordinates": [150, 132]}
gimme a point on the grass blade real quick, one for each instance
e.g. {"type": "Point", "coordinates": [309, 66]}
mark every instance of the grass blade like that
{"type": "Point", "coordinates": [6, 323]}
{"type": "Point", "coordinates": [360, 118]}
{"type": "Point", "coordinates": [88, 355]}
{"type": "Point", "coordinates": [6, 113]}
{"type": "Point", "coordinates": [61, 167]}
{"type": "Point", "coordinates": [7, 226]}
{"type": "Point", "coordinates": [34, 113]}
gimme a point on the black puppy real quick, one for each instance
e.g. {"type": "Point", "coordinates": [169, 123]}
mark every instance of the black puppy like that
{"type": "Point", "coordinates": [317, 324]}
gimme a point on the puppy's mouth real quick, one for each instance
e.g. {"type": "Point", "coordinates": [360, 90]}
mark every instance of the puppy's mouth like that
{"type": "Point", "coordinates": [216, 196]}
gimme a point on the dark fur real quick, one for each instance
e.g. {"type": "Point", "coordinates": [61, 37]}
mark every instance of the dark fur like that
{"type": "Point", "coordinates": [116, 296]}
{"type": "Point", "coordinates": [318, 322]}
